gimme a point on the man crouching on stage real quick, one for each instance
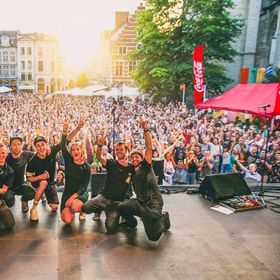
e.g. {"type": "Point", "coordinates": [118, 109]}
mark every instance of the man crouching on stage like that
{"type": "Point", "coordinates": [148, 204]}
{"type": "Point", "coordinates": [6, 195]}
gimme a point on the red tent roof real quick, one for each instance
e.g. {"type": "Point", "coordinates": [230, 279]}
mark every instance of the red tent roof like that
{"type": "Point", "coordinates": [247, 98]}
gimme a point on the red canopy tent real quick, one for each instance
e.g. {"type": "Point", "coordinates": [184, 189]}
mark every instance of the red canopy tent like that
{"type": "Point", "coordinates": [247, 98]}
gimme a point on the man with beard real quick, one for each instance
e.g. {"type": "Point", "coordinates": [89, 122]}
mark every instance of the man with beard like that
{"type": "Point", "coordinates": [119, 173]}
{"type": "Point", "coordinates": [18, 159]}
{"type": "Point", "coordinates": [6, 195]}
{"type": "Point", "coordinates": [148, 202]}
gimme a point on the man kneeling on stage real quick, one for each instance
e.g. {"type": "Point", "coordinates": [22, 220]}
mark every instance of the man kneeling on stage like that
{"type": "Point", "coordinates": [6, 195]}
{"type": "Point", "coordinates": [148, 204]}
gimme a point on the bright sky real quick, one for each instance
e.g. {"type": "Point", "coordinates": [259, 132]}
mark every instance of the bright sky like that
{"type": "Point", "coordinates": [77, 23]}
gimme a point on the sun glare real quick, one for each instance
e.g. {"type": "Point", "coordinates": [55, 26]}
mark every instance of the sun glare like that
{"type": "Point", "coordinates": [78, 24]}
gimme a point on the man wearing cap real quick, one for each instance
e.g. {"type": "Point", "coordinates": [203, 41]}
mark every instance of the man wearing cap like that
{"type": "Point", "coordinates": [148, 202]}
{"type": "Point", "coordinates": [6, 195]}
{"type": "Point", "coordinates": [118, 181]}
{"type": "Point", "coordinates": [18, 159]}
{"type": "Point", "coordinates": [40, 172]}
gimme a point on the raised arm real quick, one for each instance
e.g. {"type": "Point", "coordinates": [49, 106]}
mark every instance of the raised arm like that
{"type": "Point", "coordinates": [100, 142]}
{"type": "Point", "coordinates": [148, 140]}
{"type": "Point", "coordinates": [73, 133]}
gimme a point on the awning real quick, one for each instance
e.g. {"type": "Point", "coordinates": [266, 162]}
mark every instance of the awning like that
{"type": "Point", "coordinates": [257, 99]}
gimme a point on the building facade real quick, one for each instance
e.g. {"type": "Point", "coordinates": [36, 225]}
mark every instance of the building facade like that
{"type": "Point", "coordinates": [8, 59]}
{"type": "Point", "coordinates": [111, 65]}
{"type": "Point", "coordinates": [259, 44]}
{"type": "Point", "coordinates": [40, 64]}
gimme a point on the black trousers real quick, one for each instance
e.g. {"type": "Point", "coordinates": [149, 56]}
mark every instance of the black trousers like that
{"type": "Point", "coordinates": [101, 203]}
{"type": "Point", "coordinates": [25, 190]}
{"type": "Point", "coordinates": [8, 197]}
{"type": "Point", "coordinates": [151, 217]}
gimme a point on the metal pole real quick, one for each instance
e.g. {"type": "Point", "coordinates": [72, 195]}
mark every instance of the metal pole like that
{"type": "Point", "coordinates": [184, 91]}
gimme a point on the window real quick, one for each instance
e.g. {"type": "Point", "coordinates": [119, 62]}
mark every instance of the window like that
{"type": "Point", "coordinates": [0, 56]}
{"type": "Point", "coordinates": [40, 66]}
{"type": "Point", "coordinates": [1, 71]}
{"type": "Point", "coordinates": [131, 66]}
{"type": "Point", "coordinates": [22, 65]}
{"type": "Point", "coordinates": [41, 84]}
{"type": "Point", "coordinates": [12, 70]}
{"type": "Point", "coordinates": [5, 56]}
{"type": "Point", "coordinates": [118, 68]}
{"type": "Point", "coordinates": [29, 64]}
{"type": "Point", "coordinates": [6, 71]}
{"type": "Point", "coordinates": [29, 51]}
{"type": "Point", "coordinates": [13, 56]}
{"type": "Point", "coordinates": [5, 41]}
{"type": "Point", "coordinates": [122, 50]}
{"type": "Point", "coordinates": [59, 66]}
{"type": "Point", "coordinates": [22, 76]}
{"type": "Point", "coordinates": [22, 51]}
{"type": "Point", "coordinates": [40, 51]}
{"type": "Point", "coordinates": [52, 66]}
{"type": "Point", "coordinates": [29, 77]}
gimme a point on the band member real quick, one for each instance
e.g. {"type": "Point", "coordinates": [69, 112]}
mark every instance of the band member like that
{"type": "Point", "coordinates": [77, 177]}
{"type": "Point", "coordinates": [40, 172]}
{"type": "Point", "coordinates": [118, 181]}
{"type": "Point", "coordinates": [18, 159]}
{"type": "Point", "coordinates": [148, 202]}
{"type": "Point", "coordinates": [6, 195]}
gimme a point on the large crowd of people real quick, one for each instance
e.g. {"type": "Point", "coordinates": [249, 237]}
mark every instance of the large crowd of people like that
{"type": "Point", "coordinates": [185, 147]}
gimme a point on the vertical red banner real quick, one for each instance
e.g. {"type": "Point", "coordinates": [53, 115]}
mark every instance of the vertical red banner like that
{"type": "Point", "coordinates": [198, 74]}
{"type": "Point", "coordinates": [277, 105]}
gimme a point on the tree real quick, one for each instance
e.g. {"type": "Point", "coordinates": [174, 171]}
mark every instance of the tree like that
{"type": "Point", "coordinates": [169, 32]}
{"type": "Point", "coordinates": [82, 80]}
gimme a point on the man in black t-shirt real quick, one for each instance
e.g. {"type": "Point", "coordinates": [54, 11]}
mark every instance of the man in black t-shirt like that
{"type": "Point", "coordinates": [148, 204]}
{"type": "Point", "coordinates": [6, 195]}
{"type": "Point", "coordinates": [18, 159]}
{"type": "Point", "coordinates": [40, 172]}
{"type": "Point", "coordinates": [118, 180]}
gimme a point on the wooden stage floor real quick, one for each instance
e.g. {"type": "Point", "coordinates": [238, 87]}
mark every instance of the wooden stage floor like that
{"type": "Point", "coordinates": [201, 244]}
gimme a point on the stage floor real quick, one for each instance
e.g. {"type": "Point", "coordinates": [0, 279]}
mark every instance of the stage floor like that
{"type": "Point", "coordinates": [201, 244]}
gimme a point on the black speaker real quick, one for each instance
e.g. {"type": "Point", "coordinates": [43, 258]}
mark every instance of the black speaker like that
{"type": "Point", "coordinates": [223, 186]}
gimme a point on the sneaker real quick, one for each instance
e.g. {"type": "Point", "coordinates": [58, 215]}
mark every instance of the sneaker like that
{"type": "Point", "coordinates": [82, 217]}
{"type": "Point", "coordinates": [96, 216]}
{"type": "Point", "coordinates": [130, 222]}
{"type": "Point", "coordinates": [34, 215]}
{"type": "Point", "coordinates": [24, 206]}
{"type": "Point", "coordinates": [166, 221]}
{"type": "Point", "coordinates": [6, 215]}
{"type": "Point", "coordinates": [43, 197]}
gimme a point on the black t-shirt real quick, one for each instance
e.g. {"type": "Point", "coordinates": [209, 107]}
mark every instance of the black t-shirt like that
{"type": "Point", "coordinates": [77, 176]}
{"type": "Point", "coordinates": [6, 176]}
{"type": "Point", "coordinates": [118, 180]}
{"type": "Point", "coordinates": [145, 186]}
{"type": "Point", "coordinates": [36, 166]}
{"type": "Point", "coordinates": [19, 166]}
{"type": "Point", "coordinates": [192, 167]}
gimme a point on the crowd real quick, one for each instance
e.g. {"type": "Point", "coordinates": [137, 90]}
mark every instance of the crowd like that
{"type": "Point", "coordinates": [190, 146]}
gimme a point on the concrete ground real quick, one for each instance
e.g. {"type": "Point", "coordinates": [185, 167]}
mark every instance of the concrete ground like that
{"type": "Point", "coordinates": [201, 244]}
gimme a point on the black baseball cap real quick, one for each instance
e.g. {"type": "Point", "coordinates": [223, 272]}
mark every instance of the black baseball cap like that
{"type": "Point", "coordinates": [16, 138]}
{"type": "Point", "coordinates": [38, 139]}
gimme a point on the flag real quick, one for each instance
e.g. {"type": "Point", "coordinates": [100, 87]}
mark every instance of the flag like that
{"type": "Point", "coordinates": [198, 74]}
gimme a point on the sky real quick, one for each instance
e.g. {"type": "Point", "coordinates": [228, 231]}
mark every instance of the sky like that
{"type": "Point", "coordinates": [72, 21]}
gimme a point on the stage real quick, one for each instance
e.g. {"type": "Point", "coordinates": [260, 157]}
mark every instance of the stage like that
{"type": "Point", "coordinates": [201, 244]}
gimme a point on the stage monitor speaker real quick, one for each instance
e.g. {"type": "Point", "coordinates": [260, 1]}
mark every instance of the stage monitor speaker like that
{"type": "Point", "coordinates": [223, 186]}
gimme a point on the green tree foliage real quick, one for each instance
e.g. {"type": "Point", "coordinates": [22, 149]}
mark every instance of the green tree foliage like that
{"type": "Point", "coordinates": [169, 32]}
{"type": "Point", "coordinates": [71, 84]}
{"type": "Point", "coordinates": [82, 80]}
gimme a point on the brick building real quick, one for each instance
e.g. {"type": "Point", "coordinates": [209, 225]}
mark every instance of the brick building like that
{"type": "Point", "coordinates": [111, 65]}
